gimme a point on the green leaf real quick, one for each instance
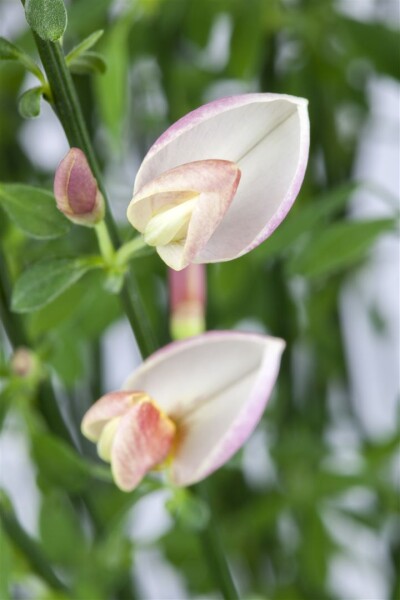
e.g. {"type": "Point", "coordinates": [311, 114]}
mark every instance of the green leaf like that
{"type": "Point", "coordinates": [68, 359]}
{"type": "Point", "coordinates": [46, 280]}
{"type": "Point", "coordinates": [111, 88]}
{"type": "Point", "coordinates": [85, 45]}
{"type": "Point", "coordinates": [29, 103]}
{"type": "Point", "coordinates": [47, 18]}
{"type": "Point", "coordinates": [85, 310]}
{"type": "Point", "coordinates": [7, 566]}
{"type": "Point", "coordinates": [340, 246]}
{"type": "Point", "coordinates": [90, 62]}
{"type": "Point", "coordinates": [62, 539]}
{"type": "Point", "coordinates": [373, 41]}
{"type": "Point", "coordinates": [58, 464]}
{"type": "Point", "coordinates": [33, 210]}
{"type": "Point", "coordinates": [9, 51]}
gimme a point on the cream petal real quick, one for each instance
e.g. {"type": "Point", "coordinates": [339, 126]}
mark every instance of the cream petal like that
{"type": "Point", "coordinates": [167, 225]}
{"type": "Point", "coordinates": [106, 439]}
{"type": "Point", "coordinates": [267, 136]}
{"type": "Point", "coordinates": [215, 387]}
{"type": "Point", "coordinates": [143, 440]}
{"type": "Point", "coordinates": [114, 404]}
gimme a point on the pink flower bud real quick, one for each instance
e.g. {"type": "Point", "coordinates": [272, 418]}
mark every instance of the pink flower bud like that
{"type": "Point", "coordinates": [188, 298]}
{"type": "Point", "coordinates": [76, 191]}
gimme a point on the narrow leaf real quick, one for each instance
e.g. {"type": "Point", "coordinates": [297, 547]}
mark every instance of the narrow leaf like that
{"type": "Point", "coordinates": [111, 88]}
{"type": "Point", "coordinates": [33, 210]}
{"type": "Point", "coordinates": [59, 464]}
{"type": "Point", "coordinates": [8, 51]}
{"type": "Point", "coordinates": [46, 280]}
{"type": "Point", "coordinates": [62, 538]}
{"type": "Point", "coordinates": [29, 103]}
{"type": "Point", "coordinates": [47, 18]}
{"type": "Point", "coordinates": [90, 62]}
{"type": "Point", "coordinates": [85, 45]}
{"type": "Point", "coordinates": [340, 246]}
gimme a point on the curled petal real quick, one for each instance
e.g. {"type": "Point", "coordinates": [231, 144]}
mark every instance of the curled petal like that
{"type": "Point", "coordinates": [112, 405]}
{"type": "Point", "coordinates": [143, 440]}
{"type": "Point", "coordinates": [215, 388]}
{"type": "Point", "coordinates": [267, 137]}
{"type": "Point", "coordinates": [205, 187]}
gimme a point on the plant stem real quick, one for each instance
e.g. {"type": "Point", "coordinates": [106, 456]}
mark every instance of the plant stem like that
{"type": "Point", "coordinates": [12, 326]}
{"type": "Point", "coordinates": [129, 249]}
{"type": "Point", "coordinates": [68, 110]}
{"type": "Point", "coordinates": [105, 243]}
{"type": "Point", "coordinates": [213, 550]}
{"type": "Point", "coordinates": [27, 545]}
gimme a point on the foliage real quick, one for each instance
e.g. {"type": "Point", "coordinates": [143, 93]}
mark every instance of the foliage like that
{"type": "Point", "coordinates": [156, 61]}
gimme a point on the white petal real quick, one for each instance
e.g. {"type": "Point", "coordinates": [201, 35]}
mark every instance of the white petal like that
{"type": "Point", "coordinates": [267, 136]}
{"type": "Point", "coordinates": [215, 387]}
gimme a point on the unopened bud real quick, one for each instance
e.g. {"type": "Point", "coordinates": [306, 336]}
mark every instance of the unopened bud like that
{"type": "Point", "coordinates": [187, 290]}
{"type": "Point", "coordinates": [76, 190]}
{"type": "Point", "coordinates": [24, 363]}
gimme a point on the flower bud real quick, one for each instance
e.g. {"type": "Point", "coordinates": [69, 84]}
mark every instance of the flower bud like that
{"type": "Point", "coordinates": [76, 190]}
{"type": "Point", "coordinates": [187, 290]}
{"type": "Point", "coordinates": [24, 363]}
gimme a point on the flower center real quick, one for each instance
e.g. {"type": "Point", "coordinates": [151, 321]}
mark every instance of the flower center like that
{"type": "Point", "coordinates": [170, 223]}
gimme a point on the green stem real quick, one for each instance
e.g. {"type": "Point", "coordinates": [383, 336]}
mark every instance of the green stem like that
{"type": "Point", "coordinates": [105, 243]}
{"type": "Point", "coordinates": [13, 327]}
{"type": "Point", "coordinates": [68, 110]}
{"type": "Point", "coordinates": [129, 249]}
{"type": "Point", "coordinates": [213, 550]}
{"type": "Point", "coordinates": [27, 545]}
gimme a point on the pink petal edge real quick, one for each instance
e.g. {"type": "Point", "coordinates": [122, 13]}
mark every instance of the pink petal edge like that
{"type": "Point", "coordinates": [245, 422]}
{"type": "Point", "coordinates": [111, 405]}
{"type": "Point", "coordinates": [207, 111]}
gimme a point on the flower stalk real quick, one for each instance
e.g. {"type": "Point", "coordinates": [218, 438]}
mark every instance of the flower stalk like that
{"type": "Point", "coordinates": [105, 244]}
{"type": "Point", "coordinates": [68, 110]}
{"type": "Point", "coordinates": [28, 547]}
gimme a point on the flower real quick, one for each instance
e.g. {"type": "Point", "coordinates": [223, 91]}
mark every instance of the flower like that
{"type": "Point", "coordinates": [221, 179]}
{"type": "Point", "coordinates": [187, 289]}
{"type": "Point", "coordinates": [188, 408]}
{"type": "Point", "coordinates": [76, 191]}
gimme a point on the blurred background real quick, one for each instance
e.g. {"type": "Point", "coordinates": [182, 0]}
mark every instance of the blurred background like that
{"type": "Point", "coordinates": [308, 510]}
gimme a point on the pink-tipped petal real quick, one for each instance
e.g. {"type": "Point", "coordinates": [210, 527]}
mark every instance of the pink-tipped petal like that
{"type": "Point", "coordinates": [215, 387]}
{"type": "Point", "coordinates": [211, 183]}
{"type": "Point", "coordinates": [143, 440]}
{"type": "Point", "coordinates": [267, 136]}
{"type": "Point", "coordinates": [112, 405]}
